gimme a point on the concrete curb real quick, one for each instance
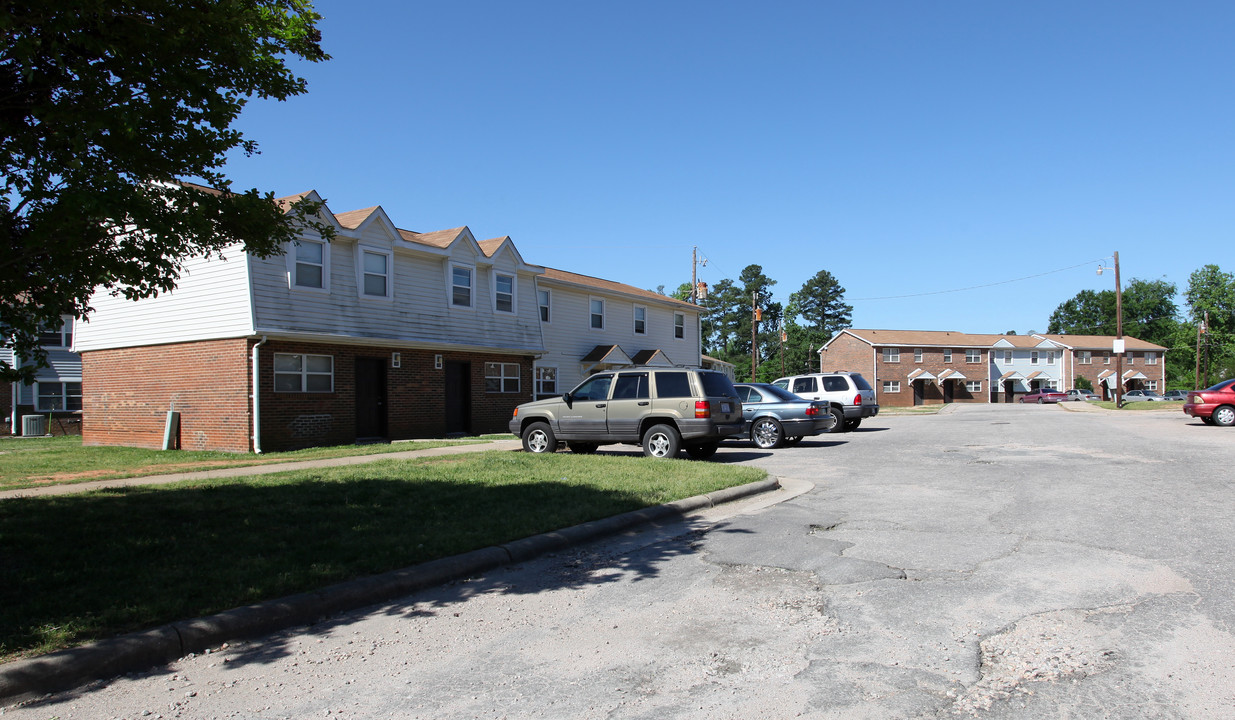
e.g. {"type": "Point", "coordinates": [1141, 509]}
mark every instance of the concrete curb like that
{"type": "Point", "coordinates": [65, 669]}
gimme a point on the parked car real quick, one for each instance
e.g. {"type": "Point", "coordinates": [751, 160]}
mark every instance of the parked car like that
{"type": "Point", "coordinates": [1078, 394]}
{"type": "Point", "coordinates": [1176, 395]}
{"type": "Point", "coordinates": [1143, 396]}
{"type": "Point", "coordinates": [1215, 405]}
{"type": "Point", "coordinates": [1044, 395]}
{"type": "Point", "coordinates": [662, 409]}
{"type": "Point", "coordinates": [849, 396]}
{"type": "Point", "coordinates": [774, 416]}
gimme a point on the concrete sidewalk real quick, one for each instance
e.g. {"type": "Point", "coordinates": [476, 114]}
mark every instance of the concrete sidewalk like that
{"type": "Point", "coordinates": [265, 469]}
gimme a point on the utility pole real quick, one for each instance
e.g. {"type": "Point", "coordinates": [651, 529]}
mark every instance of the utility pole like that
{"type": "Point", "coordinates": [1119, 335]}
{"type": "Point", "coordinates": [1200, 330]}
{"type": "Point", "coordinates": [755, 316]}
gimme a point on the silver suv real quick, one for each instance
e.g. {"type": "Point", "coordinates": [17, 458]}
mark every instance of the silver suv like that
{"type": "Point", "coordinates": [662, 409]}
{"type": "Point", "coordinates": [851, 398]}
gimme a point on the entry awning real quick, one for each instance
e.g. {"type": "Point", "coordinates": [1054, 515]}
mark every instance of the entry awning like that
{"type": "Point", "coordinates": [604, 356]}
{"type": "Point", "coordinates": [951, 375]}
{"type": "Point", "coordinates": [920, 374]}
{"type": "Point", "coordinates": [1011, 375]}
{"type": "Point", "coordinates": [655, 356]}
{"type": "Point", "coordinates": [1033, 375]}
{"type": "Point", "coordinates": [1134, 375]}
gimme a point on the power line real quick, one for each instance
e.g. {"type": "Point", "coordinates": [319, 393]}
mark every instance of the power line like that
{"type": "Point", "coordinates": [977, 287]}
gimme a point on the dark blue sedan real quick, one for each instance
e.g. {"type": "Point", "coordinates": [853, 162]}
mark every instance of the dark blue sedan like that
{"type": "Point", "coordinates": [775, 417]}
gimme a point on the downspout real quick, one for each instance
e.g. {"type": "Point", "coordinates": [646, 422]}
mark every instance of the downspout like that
{"type": "Point", "coordinates": [257, 405]}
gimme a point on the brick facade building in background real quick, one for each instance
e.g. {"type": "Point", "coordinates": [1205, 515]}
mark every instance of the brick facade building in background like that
{"type": "Point", "coordinates": [926, 367]}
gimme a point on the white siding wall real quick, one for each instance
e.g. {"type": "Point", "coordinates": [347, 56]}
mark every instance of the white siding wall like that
{"type": "Point", "coordinates": [418, 312]}
{"type": "Point", "coordinates": [568, 335]}
{"type": "Point", "coordinates": [211, 300]}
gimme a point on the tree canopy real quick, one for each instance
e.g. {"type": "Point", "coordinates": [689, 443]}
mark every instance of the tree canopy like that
{"type": "Point", "coordinates": [106, 107]}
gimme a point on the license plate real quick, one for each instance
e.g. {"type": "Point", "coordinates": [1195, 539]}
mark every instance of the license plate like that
{"type": "Point", "coordinates": [726, 407]}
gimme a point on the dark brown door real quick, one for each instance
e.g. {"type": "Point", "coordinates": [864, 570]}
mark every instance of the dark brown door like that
{"type": "Point", "coordinates": [370, 398]}
{"type": "Point", "coordinates": [949, 386]}
{"type": "Point", "coordinates": [458, 397]}
{"type": "Point", "coordinates": [919, 388]}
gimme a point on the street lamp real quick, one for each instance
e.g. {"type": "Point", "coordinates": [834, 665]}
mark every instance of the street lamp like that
{"type": "Point", "coordinates": [1118, 347]}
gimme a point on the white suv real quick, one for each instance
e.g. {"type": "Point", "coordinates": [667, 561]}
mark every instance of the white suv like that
{"type": "Point", "coordinates": [848, 394]}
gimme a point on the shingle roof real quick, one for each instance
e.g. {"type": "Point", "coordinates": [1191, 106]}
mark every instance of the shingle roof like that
{"type": "Point", "coordinates": [1102, 342]}
{"type": "Point", "coordinates": [610, 286]}
{"type": "Point", "coordinates": [354, 218]}
{"type": "Point", "coordinates": [437, 238]}
{"type": "Point", "coordinates": [923, 338]}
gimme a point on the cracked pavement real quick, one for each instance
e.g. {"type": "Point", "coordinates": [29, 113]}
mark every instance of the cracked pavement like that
{"type": "Point", "coordinates": [989, 562]}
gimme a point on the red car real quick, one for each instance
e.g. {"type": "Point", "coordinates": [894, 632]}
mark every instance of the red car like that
{"type": "Point", "coordinates": [1213, 405]}
{"type": "Point", "coordinates": [1044, 395]}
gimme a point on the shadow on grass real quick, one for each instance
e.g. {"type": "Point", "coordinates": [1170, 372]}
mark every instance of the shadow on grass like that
{"type": "Point", "coordinates": [79, 567]}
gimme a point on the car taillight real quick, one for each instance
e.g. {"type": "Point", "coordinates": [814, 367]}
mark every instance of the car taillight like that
{"type": "Point", "coordinates": [703, 409]}
{"type": "Point", "coordinates": [812, 410]}
{"type": "Point", "coordinates": [857, 399]}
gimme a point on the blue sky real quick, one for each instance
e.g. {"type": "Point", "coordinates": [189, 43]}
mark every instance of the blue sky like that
{"type": "Point", "coordinates": [911, 149]}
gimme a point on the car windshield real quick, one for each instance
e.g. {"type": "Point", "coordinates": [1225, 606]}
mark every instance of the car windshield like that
{"type": "Point", "coordinates": [1220, 386]}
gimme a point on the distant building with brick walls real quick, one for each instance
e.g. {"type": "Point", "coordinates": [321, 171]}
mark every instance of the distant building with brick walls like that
{"type": "Point", "coordinates": [925, 367]}
{"type": "Point", "coordinates": [378, 334]}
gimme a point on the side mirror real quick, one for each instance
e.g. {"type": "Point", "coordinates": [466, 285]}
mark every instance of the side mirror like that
{"type": "Point", "coordinates": [569, 400]}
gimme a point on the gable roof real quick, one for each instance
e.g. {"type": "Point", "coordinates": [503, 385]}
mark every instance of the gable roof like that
{"type": "Point", "coordinates": [595, 283]}
{"type": "Point", "coordinates": [920, 338]}
{"type": "Point", "coordinates": [1100, 342]}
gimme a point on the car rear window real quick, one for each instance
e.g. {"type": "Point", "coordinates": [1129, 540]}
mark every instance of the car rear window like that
{"type": "Point", "coordinates": [672, 384]}
{"type": "Point", "coordinates": [717, 385]}
{"type": "Point", "coordinates": [860, 381]}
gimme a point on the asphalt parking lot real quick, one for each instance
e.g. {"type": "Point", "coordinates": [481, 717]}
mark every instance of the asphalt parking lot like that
{"type": "Point", "coordinates": [989, 561]}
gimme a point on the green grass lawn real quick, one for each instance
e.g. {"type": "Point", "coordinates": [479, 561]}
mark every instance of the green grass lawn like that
{"type": "Point", "coordinates": [91, 565]}
{"type": "Point", "coordinates": [1141, 406]}
{"type": "Point", "coordinates": [31, 462]}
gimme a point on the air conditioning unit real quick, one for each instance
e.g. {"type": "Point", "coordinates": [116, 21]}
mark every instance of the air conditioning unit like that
{"type": "Point", "coordinates": [33, 425]}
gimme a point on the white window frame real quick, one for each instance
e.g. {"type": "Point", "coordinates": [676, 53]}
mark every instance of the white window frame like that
{"type": "Point", "coordinates": [1084, 357]}
{"type": "Point", "coordinates": [304, 373]}
{"type": "Point", "coordinates": [891, 386]}
{"type": "Point", "coordinates": [679, 326]}
{"type": "Point", "coordinates": [1106, 357]}
{"type": "Point", "coordinates": [973, 386]}
{"type": "Point", "coordinates": [891, 354]}
{"type": "Point", "coordinates": [64, 334]}
{"type": "Point", "coordinates": [973, 355]}
{"type": "Point", "coordinates": [917, 355]}
{"type": "Point", "coordinates": [539, 381]}
{"type": "Point", "coordinates": [451, 267]}
{"type": "Point", "coordinates": [640, 316]}
{"type": "Point", "coordinates": [947, 355]}
{"type": "Point", "coordinates": [544, 304]}
{"type": "Point", "coordinates": [501, 377]}
{"type": "Point", "coordinates": [362, 273]}
{"type": "Point", "coordinates": [1033, 357]}
{"type": "Point", "coordinates": [63, 396]}
{"type": "Point", "coordinates": [591, 313]}
{"type": "Point", "coordinates": [1050, 383]}
{"type": "Point", "coordinates": [1131, 356]}
{"type": "Point", "coordinates": [293, 261]}
{"type": "Point", "coordinates": [1151, 358]}
{"type": "Point", "coordinates": [1050, 357]}
{"type": "Point", "coordinates": [1008, 356]}
{"type": "Point", "coordinates": [514, 292]}
{"type": "Point", "coordinates": [1151, 385]}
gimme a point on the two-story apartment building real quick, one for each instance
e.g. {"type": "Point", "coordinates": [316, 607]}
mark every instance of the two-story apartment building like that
{"type": "Point", "coordinates": [56, 392]}
{"type": "Point", "coordinates": [589, 324]}
{"type": "Point", "coordinates": [380, 333]}
{"type": "Point", "coordinates": [916, 367]}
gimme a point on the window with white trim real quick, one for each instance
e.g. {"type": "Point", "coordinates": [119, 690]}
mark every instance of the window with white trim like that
{"type": "Point", "coordinates": [973, 386]}
{"type": "Point", "coordinates": [58, 337]}
{"type": "Point", "coordinates": [679, 326]}
{"type": "Point", "coordinates": [973, 355]}
{"type": "Point", "coordinates": [891, 355]}
{"type": "Point", "coordinates": [1131, 358]}
{"type": "Point", "coordinates": [460, 286]}
{"type": "Point", "coordinates": [375, 273]}
{"type": "Point", "coordinates": [310, 265]}
{"type": "Point", "coordinates": [641, 320]}
{"type": "Point", "coordinates": [1106, 357]}
{"type": "Point", "coordinates": [596, 317]}
{"type": "Point", "coordinates": [1151, 358]}
{"type": "Point", "coordinates": [501, 377]}
{"type": "Point", "coordinates": [891, 386]}
{"type": "Point", "coordinates": [1151, 385]}
{"type": "Point", "coordinates": [303, 373]}
{"type": "Point", "coordinates": [544, 380]}
{"type": "Point", "coordinates": [1084, 357]}
{"type": "Point", "coordinates": [1051, 384]}
{"type": "Point", "coordinates": [1033, 357]}
{"type": "Point", "coordinates": [504, 293]}
{"type": "Point", "coordinates": [58, 396]}
{"type": "Point", "coordinates": [1050, 357]}
{"type": "Point", "coordinates": [917, 355]}
{"type": "Point", "coordinates": [542, 298]}
{"type": "Point", "coordinates": [947, 355]}
{"type": "Point", "coordinates": [1008, 355]}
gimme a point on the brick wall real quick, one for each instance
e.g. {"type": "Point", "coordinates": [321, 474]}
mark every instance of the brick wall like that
{"type": "Point", "coordinates": [127, 392]}
{"type": "Point", "coordinates": [933, 392]}
{"type": "Point", "coordinates": [848, 353]}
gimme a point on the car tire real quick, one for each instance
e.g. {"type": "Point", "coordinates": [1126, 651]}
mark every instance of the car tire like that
{"type": "Point", "coordinates": [1207, 420]}
{"type": "Point", "coordinates": [766, 433]}
{"type": "Point", "coordinates": [661, 441]}
{"type": "Point", "coordinates": [1224, 416]}
{"type": "Point", "coordinates": [702, 451]}
{"type": "Point", "coordinates": [793, 440]}
{"type": "Point", "coordinates": [582, 448]}
{"type": "Point", "coordinates": [539, 438]}
{"type": "Point", "coordinates": [838, 420]}
{"type": "Point", "coordinates": [852, 424]}
{"type": "Point", "coordinates": [1039, 401]}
